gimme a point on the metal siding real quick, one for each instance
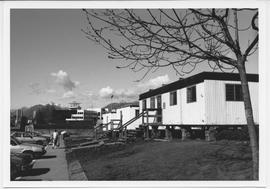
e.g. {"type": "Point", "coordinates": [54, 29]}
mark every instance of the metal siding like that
{"type": "Point", "coordinates": [129, 113]}
{"type": "Point", "coordinates": [195, 79]}
{"type": "Point", "coordinates": [193, 113]}
{"type": "Point", "coordinates": [220, 111]}
{"type": "Point", "coordinates": [183, 112]}
{"type": "Point", "coordinates": [254, 93]}
{"type": "Point", "coordinates": [171, 114]}
{"type": "Point", "coordinates": [214, 105]}
{"type": "Point", "coordinates": [140, 105]}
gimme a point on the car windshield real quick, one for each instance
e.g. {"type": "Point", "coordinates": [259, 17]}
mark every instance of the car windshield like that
{"type": "Point", "coordinates": [27, 135]}
{"type": "Point", "coordinates": [16, 140]}
{"type": "Point", "coordinates": [35, 134]}
{"type": "Point", "coordinates": [32, 134]}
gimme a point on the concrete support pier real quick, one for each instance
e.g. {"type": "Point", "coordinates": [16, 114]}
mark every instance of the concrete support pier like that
{"type": "Point", "coordinates": [154, 132]}
{"type": "Point", "coordinates": [184, 133]}
{"type": "Point", "coordinates": [210, 134]}
{"type": "Point", "coordinates": [114, 135]}
{"type": "Point", "coordinates": [168, 133]}
{"type": "Point", "coordinates": [146, 132]}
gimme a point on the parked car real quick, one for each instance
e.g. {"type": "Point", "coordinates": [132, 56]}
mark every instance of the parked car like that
{"type": "Point", "coordinates": [19, 163]}
{"type": "Point", "coordinates": [34, 150]}
{"type": "Point", "coordinates": [27, 137]}
{"type": "Point", "coordinates": [38, 134]}
{"type": "Point", "coordinates": [27, 160]}
{"type": "Point", "coordinates": [14, 167]}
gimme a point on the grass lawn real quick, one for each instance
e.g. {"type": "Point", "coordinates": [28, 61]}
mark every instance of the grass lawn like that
{"type": "Point", "coordinates": [176, 160]}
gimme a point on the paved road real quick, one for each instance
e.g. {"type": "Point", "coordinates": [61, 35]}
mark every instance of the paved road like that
{"type": "Point", "coordinates": [51, 166]}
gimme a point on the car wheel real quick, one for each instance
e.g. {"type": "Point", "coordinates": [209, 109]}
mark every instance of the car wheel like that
{"type": "Point", "coordinates": [23, 169]}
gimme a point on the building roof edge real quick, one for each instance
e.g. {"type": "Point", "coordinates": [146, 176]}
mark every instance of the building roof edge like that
{"type": "Point", "coordinates": [195, 79]}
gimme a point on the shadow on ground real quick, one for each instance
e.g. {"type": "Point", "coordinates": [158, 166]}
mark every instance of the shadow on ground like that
{"type": "Point", "coordinates": [29, 180]}
{"type": "Point", "coordinates": [47, 157]}
{"type": "Point", "coordinates": [37, 171]}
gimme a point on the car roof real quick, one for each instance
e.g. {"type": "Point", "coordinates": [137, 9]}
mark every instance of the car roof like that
{"type": "Point", "coordinates": [20, 132]}
{"type": "Point", "coordinates": [17, 132]}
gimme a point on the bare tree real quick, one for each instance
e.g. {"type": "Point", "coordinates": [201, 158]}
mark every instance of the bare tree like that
{"type": "Point", "coordinates": [148, 39]}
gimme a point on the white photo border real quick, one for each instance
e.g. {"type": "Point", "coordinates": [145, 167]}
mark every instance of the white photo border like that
{"type": "Point", "coordinates": [263, 91]}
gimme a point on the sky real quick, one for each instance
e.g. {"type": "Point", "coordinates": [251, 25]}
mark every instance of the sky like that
{"type": "Point", "coordinates": [53, 61]}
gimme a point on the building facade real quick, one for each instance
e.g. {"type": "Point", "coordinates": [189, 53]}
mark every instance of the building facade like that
{"type": "Point", "coordinates": [112, 119]}
{"type": "Point", "coordinates": [83, 115]}
{"type": "Point", "coordinates": [74, 105]}
{"type": "Point", "coordinates": [208, 98]}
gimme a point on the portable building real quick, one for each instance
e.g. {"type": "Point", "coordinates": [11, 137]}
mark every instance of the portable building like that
{"type": "Point", "coordinates": [112, 119]}
{"type": "Point", "coordinates": [208, 98]}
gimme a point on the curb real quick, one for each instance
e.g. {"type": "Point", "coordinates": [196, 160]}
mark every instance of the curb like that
{"type": "Point", "coordinates": [75, 169]}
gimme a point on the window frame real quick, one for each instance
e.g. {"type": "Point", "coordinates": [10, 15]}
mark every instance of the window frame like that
{"type": "Point", "coordinates": [152, 102]}
{"type": "Point", "coordinates": [159, 102]}
{"type": "Point", "coordinates": [12, 143]}
{"type": "Point", "coordinates": [236, 97]}
{"type": "Point", "coordinates": [173, 98]}
{"type": "Point", "coordinates": [191, 95]}
{"type": "Point", "coordinates": [137, 112]}
{"type": "Point", "coordinates": [27, 135]}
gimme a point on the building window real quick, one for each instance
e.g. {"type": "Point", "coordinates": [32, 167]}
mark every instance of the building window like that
{"type": "Point", "coordinates": [144, 104]}
{"type": "Point", "coordinates": [234, 92]}
{"type": "Point", "coordinates": [136, 113]}
{"type": "Point", "coordinates": [152, 102]}
{"type": "Point", "coordinates": [159, 102]}
{"type": "Point", "coordinates": [191, 94]}
{"type": "Point", "coordinates": [173, 98]}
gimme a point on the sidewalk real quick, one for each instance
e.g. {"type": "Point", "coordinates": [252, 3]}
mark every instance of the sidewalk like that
{"type": "Point", "coordinates": [50, 167]}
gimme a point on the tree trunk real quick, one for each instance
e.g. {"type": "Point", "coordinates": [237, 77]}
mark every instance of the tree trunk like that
{"type": "Point", "coordinates": [250, 121]}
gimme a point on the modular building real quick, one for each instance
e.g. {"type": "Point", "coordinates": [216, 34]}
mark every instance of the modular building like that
{"type": "Point", "coordinates": [208, 98]}
{"type": "Point", "coordinates": [113, 118]}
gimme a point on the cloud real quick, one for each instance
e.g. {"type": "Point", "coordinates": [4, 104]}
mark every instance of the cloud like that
{"type": "Point", "coordinates": [88, 93]}
{"type": "Point", "coordinates": [155, 82]}
{"type": "Point", "coordinates": [51, 91]}
{"type": "Point", "coordinates": [69, 94]}
{"type": "Point", "coordinates": [35, 88]}
{"type": "Point", "coordinates": [62, 78]}
{"type": "Point", "coordinates": [125, 93]}
{"type": "Point", "coordinates": [133, 93]}
{"type": "Point", "coordinates": [106, 92]}
{"type": "Point", "coordinates": [90, 98]}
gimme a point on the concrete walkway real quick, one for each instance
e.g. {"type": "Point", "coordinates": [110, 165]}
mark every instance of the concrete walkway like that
{"type": "Point", "coordinates": [50, 167]}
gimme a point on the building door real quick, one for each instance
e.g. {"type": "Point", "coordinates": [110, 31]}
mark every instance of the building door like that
{"type": "Point", "coordinates": [159, 107]}
{"type": "Point", "coordinates": [144, 106]}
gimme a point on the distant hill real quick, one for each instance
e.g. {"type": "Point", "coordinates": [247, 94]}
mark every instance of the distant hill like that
{"type": "Point", "coordinates": [116, 105]}
{"type": "Point", "coordinates": [28, 112]}
{"type": "Point", "coordinates": [45, 109]}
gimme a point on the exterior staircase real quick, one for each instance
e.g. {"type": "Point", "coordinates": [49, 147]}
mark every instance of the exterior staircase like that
{"type": "Point", "coordinates": [118, 126]}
